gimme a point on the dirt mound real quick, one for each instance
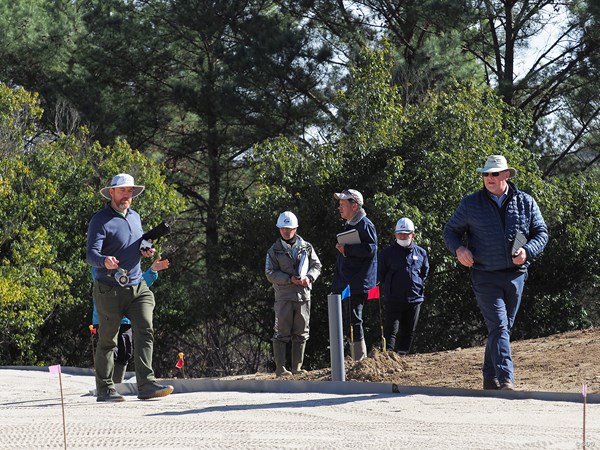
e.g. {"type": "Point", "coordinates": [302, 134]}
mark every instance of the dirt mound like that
{"type": "Point", "coordinates": [557, 363]}
{"type": "Point", "coordinates": [378, 367]}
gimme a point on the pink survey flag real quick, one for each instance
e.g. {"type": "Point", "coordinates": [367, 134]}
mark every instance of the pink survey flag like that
{"type": "Point", "coordinates": [373, 294]}
{"type": "Point", "coordinates": [584, 390]}
{"type": "Point", "coordinates": [54, 369]}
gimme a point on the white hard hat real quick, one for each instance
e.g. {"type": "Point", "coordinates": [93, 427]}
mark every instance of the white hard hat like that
{"type": "Point", "coordinates": [405, 225]}
{"type": "Point", "coordinates": [287, 219]}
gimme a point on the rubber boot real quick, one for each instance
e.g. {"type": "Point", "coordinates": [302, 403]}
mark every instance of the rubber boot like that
{"type": "Point", "coordinates": [119, 372]}
{"type": "Point", "coordinates": [360, 350]}
{"type": "Point", "coordinates": [279, 354]}
{"type": "Point", "coordinates": [298, 356]}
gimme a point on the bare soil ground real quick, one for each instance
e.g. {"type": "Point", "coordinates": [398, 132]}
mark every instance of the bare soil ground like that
{"type": "Point", "coordinates": [557, 363]}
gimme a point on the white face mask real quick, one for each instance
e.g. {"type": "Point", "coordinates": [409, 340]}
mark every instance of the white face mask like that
{"type": "Point", "coordinates": [404, 242]}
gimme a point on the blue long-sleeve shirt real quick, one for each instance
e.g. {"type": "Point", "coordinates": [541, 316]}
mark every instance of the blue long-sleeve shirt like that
{"type": "Point", "coordinates": [113, 234]}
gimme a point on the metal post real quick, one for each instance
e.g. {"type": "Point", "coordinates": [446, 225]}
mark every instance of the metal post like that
{"type": "Point", "coordinates": [336, 342]}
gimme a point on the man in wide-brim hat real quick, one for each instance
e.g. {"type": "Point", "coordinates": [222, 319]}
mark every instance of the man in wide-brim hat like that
{"type": "Point", "coordinates": [504, 231]}
{"type": "Point", "coordinates": [122, 180]}
{"type": "Point", "coordinates": [113, 250]}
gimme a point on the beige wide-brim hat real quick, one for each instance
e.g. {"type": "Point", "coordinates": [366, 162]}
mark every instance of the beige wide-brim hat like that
{"type": "Point", "coordinates": [497, 163]}
{"type": "Point", "coordinates": [122, 180]}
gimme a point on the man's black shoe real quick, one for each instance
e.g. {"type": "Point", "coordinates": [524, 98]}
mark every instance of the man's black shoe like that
{"type": "Point", "coordinates": [109, 395]}
{"type": "Point", "coordinates": [153, 390]}
{"type": "Point", "coordinates": [507, 385]}
{"type": "Point", "coordinates": [491, 383]}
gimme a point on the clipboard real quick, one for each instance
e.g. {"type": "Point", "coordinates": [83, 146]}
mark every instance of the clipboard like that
{"type": "Point", "coordinates": [349, 237]}
{"type": "Point", "coordinates": [520, 241]}
{"type": "Point", "coordinates": [303, 265]}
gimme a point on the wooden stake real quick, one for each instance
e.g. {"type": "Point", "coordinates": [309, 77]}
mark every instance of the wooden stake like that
{"type": "Point", "coordinates": [62, 404]}
{"type": "Point", "coordinates": [584, 393]}
{"type": "Point", "coordinates": [56, 369]}
{"type": "Point", "coordinates": [92, 332]}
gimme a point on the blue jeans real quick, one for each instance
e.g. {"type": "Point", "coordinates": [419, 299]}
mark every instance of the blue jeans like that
{"type": "Point", "coordinates": [498, 296]}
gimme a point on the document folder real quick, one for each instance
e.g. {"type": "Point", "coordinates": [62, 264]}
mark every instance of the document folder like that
{"type": "Point", "coordinates": [348, 237]}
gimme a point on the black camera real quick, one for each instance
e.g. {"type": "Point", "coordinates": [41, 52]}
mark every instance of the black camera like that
{"type": "Point", "coordinates": [162, 229]}
{"type": "Point", "coordinates": [121, 277]}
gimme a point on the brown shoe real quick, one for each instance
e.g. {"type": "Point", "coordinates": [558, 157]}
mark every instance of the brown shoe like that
{"type": "Point", "coordinates": [153, 390]}
{"type": "Point", "coordinates": [507, 385]}
{"type": "Point", "coordinates": [491, 384]}
{"type": "Point", "coordinates": [109, 395]}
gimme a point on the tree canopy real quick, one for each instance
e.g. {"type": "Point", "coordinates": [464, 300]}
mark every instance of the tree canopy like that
{"type": "Point", "coordinates": [49, 191]}
{"type": "Point", "coordinates": [233, 111]}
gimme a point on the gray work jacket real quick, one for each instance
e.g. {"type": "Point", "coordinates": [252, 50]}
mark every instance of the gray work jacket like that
{"type": "Point", "coordinates": [283, 262]}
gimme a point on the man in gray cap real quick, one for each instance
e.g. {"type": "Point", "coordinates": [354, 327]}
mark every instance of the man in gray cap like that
{"type": "Point", "coordinates": [114, 249]}
{"type": "Point", "coordinates": [356, 267]}
{"type": "Point", "coordinates": [504, 231]}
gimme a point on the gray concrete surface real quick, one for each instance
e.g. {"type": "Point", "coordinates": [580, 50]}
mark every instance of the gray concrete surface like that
{"type": "Point", "coordinates": [217, 414]}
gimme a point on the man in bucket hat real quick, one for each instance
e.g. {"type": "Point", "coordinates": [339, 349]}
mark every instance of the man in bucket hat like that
{"type": "Point", "coordinates": [114, 250]}
{"type": "Point", "coordinates": [504, 231]}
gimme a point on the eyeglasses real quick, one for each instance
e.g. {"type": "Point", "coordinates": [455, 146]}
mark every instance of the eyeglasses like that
{"type": "Point", "coordinates": [494, 174]}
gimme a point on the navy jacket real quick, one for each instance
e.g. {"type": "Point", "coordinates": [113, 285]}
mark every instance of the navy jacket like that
{"type": "Point", "coordinates": [402, 272]}
{"type": "Point", "coordinates": [359, 267]}
{"type": "Point", "coordinates": [490, 231]}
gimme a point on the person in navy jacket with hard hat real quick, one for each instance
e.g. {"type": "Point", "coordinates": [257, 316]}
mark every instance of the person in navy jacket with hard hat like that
{"type": "Point", "coordinates": [402, 271]}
